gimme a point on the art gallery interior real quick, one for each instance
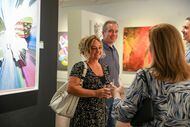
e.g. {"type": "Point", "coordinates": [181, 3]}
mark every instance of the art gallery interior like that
{"type": "Point", "coordinates": [128, 13]}
{"type": "Point", "coordinates": [75, 17]}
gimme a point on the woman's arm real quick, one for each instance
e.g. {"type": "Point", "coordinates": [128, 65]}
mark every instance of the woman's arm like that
{"type": "Point", "coordinates": [75, 88]}
{"type": "Point", "coordinates": [124, 110]}
{"type": "Point", "coordinates": [117, 91]}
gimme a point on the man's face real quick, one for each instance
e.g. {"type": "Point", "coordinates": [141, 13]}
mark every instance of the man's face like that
{"type": "Point", "coordinates": [110, 34]}
{"type": "Point", "coordinates": [186, 31]}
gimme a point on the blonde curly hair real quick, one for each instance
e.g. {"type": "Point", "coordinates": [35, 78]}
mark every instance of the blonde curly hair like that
{"type": "Point", "coordinates": [85, 45]}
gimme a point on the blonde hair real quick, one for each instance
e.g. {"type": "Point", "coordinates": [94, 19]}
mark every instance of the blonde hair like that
{"type": "Point", "coordinates": [85, 45]}
{"type": "Point", "coordinates": [168, 53]}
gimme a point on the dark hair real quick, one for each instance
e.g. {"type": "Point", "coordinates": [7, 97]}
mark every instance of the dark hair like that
{"type": "Point", "coordinates": [104, 28]}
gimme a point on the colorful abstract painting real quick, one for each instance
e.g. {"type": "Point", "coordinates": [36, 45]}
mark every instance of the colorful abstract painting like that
{"type": "Point", "coordinates": [19, 39]}
{"type": "Point", "coordinates": [62, 61]}
{"type": "Point", "coordinates": [136, 52]}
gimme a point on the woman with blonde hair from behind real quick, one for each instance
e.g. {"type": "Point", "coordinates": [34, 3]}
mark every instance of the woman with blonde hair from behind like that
{"type": "Point", "coordinates": [91, 108]}
{"type": "Point", "coordinates": [168, 79]}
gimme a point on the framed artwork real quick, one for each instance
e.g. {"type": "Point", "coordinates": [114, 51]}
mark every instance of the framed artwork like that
{"type": "Point", "coordinates": [96, 28]}
{"type": "Point", "coordinates": [62, 61]}
{"type": "Point", "coordinates": [136, 52]}
{"type": "Point", "coordinates": [19, 45]}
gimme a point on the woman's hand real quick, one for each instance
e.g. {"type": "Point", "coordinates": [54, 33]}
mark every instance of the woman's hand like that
{"type": "Point", "coordinates": [117, 91]}
{"type": "Point", "coordinates": [103, 93]}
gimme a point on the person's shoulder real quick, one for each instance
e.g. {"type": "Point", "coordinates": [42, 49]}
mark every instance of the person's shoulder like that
{"type": "Point", "coordinates": [105, 45]}
{"type": "Point", "coordinates": [140, 71]}
{"type": "Point", "coordinates": [78, 68]}
{"type": "Point", "coordinates": [79, 64]}
{"type": "Point", "coordinates": [144, 72]}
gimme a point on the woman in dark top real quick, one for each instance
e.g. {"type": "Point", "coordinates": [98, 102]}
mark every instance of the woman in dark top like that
{"type": "Point", "coordinates": [91, 109]}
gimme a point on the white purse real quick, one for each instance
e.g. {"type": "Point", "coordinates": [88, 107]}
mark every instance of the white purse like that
{"type": "Point", "coordinates": [63, 103]}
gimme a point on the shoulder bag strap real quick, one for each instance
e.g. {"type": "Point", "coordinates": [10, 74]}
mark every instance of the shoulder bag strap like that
{"type": "Point", "coordinates": [84, 72]}
{"type": "Point", "coordinates": [85, 69]}
{"type": "Point", "coordinates": [146, 81]}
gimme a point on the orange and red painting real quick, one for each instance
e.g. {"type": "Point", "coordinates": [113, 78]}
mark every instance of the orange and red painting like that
{"type": "Point", "coordinates": [136, 52]}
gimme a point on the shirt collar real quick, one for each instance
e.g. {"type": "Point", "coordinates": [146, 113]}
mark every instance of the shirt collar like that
{"type": "Point", "coordinates": [106, 46]}
{"type": "Point", "coordinates": [187, 46]}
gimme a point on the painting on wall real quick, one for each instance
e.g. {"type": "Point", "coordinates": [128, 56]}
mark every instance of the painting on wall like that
{"type": "Point", "coordinates": [136, 52]}
{"type": "Point", "coordinates": [96, 28]}
{"type": "Point", "coordinates": [62, 61]}
{"type": "Point", "coordinates": [19, 45]}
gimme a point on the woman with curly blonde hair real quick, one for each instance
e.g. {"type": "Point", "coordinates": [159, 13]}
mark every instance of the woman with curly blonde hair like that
{"type": "Point", "coordinates": [91, 109]}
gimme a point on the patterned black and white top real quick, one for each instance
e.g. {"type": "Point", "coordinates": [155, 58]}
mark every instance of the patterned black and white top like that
{"type": "Point", "coordinates": [171, 101]}
{"type": "Point", "coordinates": [91, 111]}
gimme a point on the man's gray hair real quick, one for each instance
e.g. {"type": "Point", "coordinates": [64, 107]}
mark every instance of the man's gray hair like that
{"type": "Point", "coordinates": [188, 18]}
{"type": "Point", "coordinates": [104, 28]}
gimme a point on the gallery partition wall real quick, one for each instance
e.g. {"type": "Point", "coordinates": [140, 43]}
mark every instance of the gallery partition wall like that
{"type": "Point", "coordinates": [30, 108]}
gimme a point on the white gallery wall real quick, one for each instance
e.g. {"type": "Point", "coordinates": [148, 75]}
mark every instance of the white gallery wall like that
{"type": "Point", "coordinates": [129, 13]}
{"type": "Point", "coordinates": [79, 26]}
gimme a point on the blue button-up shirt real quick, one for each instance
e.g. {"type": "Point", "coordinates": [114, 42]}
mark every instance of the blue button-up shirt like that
{"type": "Point", "coordinates": [187, 54]}
{"type": "Point", "coordinates": [111, 58]}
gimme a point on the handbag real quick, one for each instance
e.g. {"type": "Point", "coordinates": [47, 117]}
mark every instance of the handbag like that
{"type": "Point", "coordinates": [145, 109]}
{"type": "Point", "coordinates": [63, 103]}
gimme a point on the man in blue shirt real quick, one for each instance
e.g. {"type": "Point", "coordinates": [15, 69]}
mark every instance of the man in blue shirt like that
{"type": "Point", "coordinates": [186, 37]}
{"type": "Point", "coordinates": [111, 58]}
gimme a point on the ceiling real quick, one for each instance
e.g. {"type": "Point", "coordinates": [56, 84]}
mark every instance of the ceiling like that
{"type": "Point", "coordinates": [70, 3]}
